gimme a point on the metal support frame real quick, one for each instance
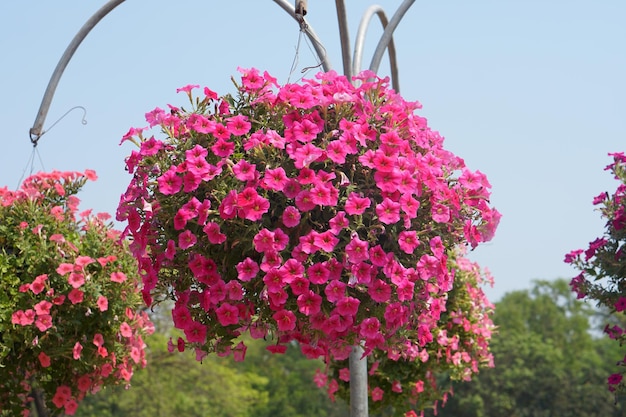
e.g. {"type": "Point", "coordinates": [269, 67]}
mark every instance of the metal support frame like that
{"type": "Point", "coordinates": [350, 67]}
{"type": "Point", "coordinates": [358, 365]}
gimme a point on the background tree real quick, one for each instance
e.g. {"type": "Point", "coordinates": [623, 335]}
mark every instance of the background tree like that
{"type": "Point", "coordinates": [176, 383]}
{"type": "Point", "coordinates": [549, 360]}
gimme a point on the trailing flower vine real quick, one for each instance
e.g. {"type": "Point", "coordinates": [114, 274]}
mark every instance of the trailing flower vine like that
{"type": "Point", "coordinates": [68, 297]}
{"type": "Point", "coordinates": [415, 378]}
{"type": "Point", "coordinates": [320, 212]}
{"type": "Point", "coordinates": [602, 265]}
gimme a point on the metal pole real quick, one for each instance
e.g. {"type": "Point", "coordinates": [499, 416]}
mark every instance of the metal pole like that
{"type": "Point", "coordinates": [37, 130]}
{"type": "Point", "coordinates": [388, 34]}
{"type": "Point", "coordinates": [344, 38]}
{"type": "Point", "coordinates": [360, 44]}
{"type": "Point", "coordinates": [358, 383]}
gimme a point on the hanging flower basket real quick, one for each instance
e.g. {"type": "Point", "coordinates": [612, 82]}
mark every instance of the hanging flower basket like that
{"type": "Point", "coordinates": [320, 212]}
{"type": "Point", "coordinates": [68, 297]}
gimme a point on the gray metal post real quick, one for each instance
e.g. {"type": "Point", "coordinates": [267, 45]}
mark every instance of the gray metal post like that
{"type": "Point", "coordinates": [358, 383]}
{"type": "Point", "coordinates": [344, 37]}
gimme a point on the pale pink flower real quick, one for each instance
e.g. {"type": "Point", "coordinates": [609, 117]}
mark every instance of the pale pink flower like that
{"type": "Point", "coordinates": [118, 277]}
{"type": "Point", "coordinates": [76, 296]}
{"type": "Point", "coordinates": [126, 330]}
{"type": "Point", "coordinates": [77, 350]}
{"type": "Point", "coordinates": [98, 340]}
{"type": "Point", "coordinates": [76, 280]}
{"type": "Point", "coordinates": [65, 268]}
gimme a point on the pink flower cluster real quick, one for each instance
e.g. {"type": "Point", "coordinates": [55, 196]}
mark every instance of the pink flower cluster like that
{"type": "Point", "coordinates": [321, 212]}
{"type": "Point", "coordinates": [74, 325]}
{"type": "Point", "coordinates": [458, 348]}
{"type": "Point", "coordinates": [602, 265]}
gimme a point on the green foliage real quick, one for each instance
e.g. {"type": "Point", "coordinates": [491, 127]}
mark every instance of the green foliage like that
{"type": "Point", "coordinates": [548, 362]}
{"type": "Point", "coordinates": [175, 384]}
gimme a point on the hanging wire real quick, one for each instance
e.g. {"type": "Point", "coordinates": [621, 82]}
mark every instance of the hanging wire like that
{"type": "Point", "coordinates": [30, 165]}
{"type": "Point", "coordinates": [35, 139]}
{"type": "Point", "coordinates": [312, 49]}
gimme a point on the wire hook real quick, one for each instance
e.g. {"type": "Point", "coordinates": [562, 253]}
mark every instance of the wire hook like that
{"type": "Point", "coordinates": [34, 138]}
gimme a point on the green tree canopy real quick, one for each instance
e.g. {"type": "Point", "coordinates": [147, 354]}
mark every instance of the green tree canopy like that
{"type": "Point", "coordinates": [549, 362]}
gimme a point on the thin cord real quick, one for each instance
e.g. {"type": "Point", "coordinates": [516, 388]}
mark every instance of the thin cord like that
{"type": "Point", "coordinates": [311, 49]}
{"type": "Point", "coordinates": [294, 63]}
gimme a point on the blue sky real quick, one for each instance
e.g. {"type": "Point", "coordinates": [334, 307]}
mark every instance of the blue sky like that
{"type": "Point", "coordinates": [530, 92]}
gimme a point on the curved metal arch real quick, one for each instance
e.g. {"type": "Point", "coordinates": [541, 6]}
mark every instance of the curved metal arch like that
{"type": "Point", "coordinates": [37, 130]}
{"type": "Point", "coordinates": [387, 36]}
{"type": "Point", "coordinates": [360, 43]}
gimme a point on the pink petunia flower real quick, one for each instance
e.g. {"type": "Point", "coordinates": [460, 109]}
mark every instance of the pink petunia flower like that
{"type": "Point", "coordinates": [285, 320]}
{"type": "Point", "coordinates": [357, 250]}
{"type": "Point", "coordinates": [170, 182]}
{"type": "Point", "coordinates": [388, 211]}
{"type": "Point", "coordinates": [186, 239]}
{"type": "Point", "coordinates": [227, 314]}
